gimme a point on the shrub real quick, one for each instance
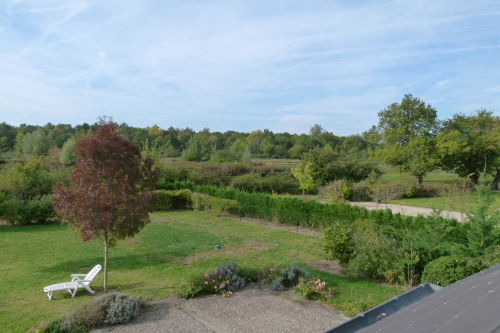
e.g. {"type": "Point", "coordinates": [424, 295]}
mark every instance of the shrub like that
{"type": "Point", "coordinates": [287, 277]}
{"type": "Point", "coordinates": [313, 289]}
{"type": "Point", "coordinates": [448, 269]}
{"type": "Point", "coordinates": [338, 191]}
{"type": "Point", "coordinates": [122, 310]}
{"type": "Point", "coordinates": [224, 280]}
{"type": "Point", "coordinates": [361, 191]}
{"type": "Point", "coordinates": [112, 308]}
{"type": "Point", "coordinates": [27, 211]}
{"type": "Point", "coordinates": [216, 205]}
{"type": "Point", "coordinates": [180, 199]}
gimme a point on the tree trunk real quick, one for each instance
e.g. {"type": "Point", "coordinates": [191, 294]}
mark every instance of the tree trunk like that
{"type": "Point", "coordinates": [496, 181]}
{"type": "Point", "coordinates": [420, 180]}
{"type": "Point", "coordinates": [106, 248]}
{"type": "Point", "coordinates": [474, 180]}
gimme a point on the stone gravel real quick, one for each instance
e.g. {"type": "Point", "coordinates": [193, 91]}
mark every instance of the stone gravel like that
{"type": "Point", "coordinates": [250, 310]}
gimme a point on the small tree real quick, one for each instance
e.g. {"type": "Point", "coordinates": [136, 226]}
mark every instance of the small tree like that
{"type": "Point", "coordinates": [110, 195]}
{"type": "Point", "coordinates": [67, 157]}
{"type": "Point", "coordinates": [303, 174]}
{"type": "Point", "coordinates": [482, 234]}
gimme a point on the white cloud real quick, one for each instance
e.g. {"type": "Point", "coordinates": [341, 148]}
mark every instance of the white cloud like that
{"type": "Point", "coordinates": [242, 65]}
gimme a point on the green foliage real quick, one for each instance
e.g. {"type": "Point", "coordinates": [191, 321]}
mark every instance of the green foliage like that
{"type": "Point", "coordinates": [303, 174]}
{"type": "Point", "coordinates": [225, 279]}
{"type": "Point", "coordinates": [19, 211]}
{"type": "Point", "coordinates": [216, 205]}
{"type": "Point", "coordinates": [25, 179]}
{"type": "Point", "coordinates": [256, 182]}
{"type": "Point", "coordinates": [327, 166]}
{"type": "Point", "coordinates": [469, 145]}
{"type": "Point", "coordinates": [287, 277]}
{"type": "Point", "coordinates": [482, 232]}
{"type": "Point", "coordinates": [67, 157]}
{"type": "Point", "coordinates": [313, 289]}
{"type": "Point", "coordinates": [179, 199]}
{"type": "Point", "coordinates": [37, 142]}
{"type": "Point", "coordinates": [374, 252]}
{"type": "Point", "coordinates": [193, 150]}
{"type": "Point", "coordinates": [408, 131]}
{"type": "Point", "coordinates": [448, 269]}
{"type": "Point", "coordinates": [338, 243]}
{"type": "Point", "coordinates": [112, 308]}
{"type": "Point", "coordinates": [338, 191]}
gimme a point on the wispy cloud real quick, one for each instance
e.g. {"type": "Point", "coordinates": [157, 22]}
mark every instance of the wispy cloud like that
{"type": "Point", "coordinates": [244, 65]}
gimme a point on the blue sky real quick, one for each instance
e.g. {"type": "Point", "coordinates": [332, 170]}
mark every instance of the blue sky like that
{"type": "Point", "coordinates": [245, 65]}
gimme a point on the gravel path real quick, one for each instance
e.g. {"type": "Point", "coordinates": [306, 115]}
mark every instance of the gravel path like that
{"type": "Point", "coordinates": [409, 210]}
{"type": "Point", "coordinates": [250, 310]}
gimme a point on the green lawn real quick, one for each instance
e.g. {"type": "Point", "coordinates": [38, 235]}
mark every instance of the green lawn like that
{"type": "Point", "coordinates": [164, 255]}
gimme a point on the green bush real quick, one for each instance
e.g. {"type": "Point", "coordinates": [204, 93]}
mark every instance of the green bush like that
{"type": "Point", "coordinates": [448, 269]}
{"type": "Point", "coordinates": [112, 308]}
{"type": "Point", "coordinates": [180, 199]}
{"type": "Point", "coordinates": [224, 280]}
{"type": "Point", "coordinates": [27, 211]}
{"type": "Point", "coordinates": [338, 191]}
{"type": "Point", "coordinates": [287, 277]}
{"type": "Point", "coordinates": [313, 289]}
{"type": "Point", "coordinates": [266, 183]}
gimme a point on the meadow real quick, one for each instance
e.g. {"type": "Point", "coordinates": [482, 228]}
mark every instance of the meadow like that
{"type": "Point", "coordinates": [175, 247]}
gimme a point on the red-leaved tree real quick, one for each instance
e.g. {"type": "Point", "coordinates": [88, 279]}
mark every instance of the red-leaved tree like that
{"type": "Point", "coordinates": [110, 193]}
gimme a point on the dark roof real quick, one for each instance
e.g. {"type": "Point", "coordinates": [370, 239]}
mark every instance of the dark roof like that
{"type": "Point", "coordinates": [468, 305]}
{"type": "Point", "coordinates": [385, 309]}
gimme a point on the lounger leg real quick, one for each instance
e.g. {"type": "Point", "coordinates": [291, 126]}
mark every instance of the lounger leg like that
{"type": "Point", "coordinates": [50, 295]}
{"type": "Point", "coordinates": [89, 289]}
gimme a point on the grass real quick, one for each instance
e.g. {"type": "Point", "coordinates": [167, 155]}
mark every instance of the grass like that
{"type": "Point", "coordinates": [171, 250]}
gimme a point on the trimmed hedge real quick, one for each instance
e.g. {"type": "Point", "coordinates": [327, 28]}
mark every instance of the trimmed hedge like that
{"type": "Point", "coordinates": [445, 270]}
{"type": "Point", "coordinates": [186, 199]}
{"type": "Point", "coordinates": [167, 200]}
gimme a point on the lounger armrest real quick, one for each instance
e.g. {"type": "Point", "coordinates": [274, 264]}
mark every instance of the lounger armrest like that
{"type": "Point", "coordinates": [76, 277]}
{"type": "Point", "coordinates": [81, 281]}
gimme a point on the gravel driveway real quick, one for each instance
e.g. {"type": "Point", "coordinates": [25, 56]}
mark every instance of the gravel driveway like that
{"type": "Point", "coordinates": [250, 310]}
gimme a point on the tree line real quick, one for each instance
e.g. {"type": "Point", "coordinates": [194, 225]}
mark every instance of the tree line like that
{"type": "Point", "coordinates": [409, 135]}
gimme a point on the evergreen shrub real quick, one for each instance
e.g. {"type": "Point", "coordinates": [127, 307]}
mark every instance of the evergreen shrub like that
{"type": "Point", "coordinates": [445, 270]}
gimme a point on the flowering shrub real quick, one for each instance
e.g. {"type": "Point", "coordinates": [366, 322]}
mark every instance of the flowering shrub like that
{"type": "Point", "coordinates": [313, 289]}
{"type": "Point", "coordinates": [286, 277]}
{"type": "Point", "coordinates": [223, 280]}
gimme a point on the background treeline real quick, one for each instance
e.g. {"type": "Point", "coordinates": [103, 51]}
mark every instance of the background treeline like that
{"type": "Point", "coordinates": [186, 143]}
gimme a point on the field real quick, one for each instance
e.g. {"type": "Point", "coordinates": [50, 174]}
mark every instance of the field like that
{"type": "Point", "coordinates": [445, 201]}
{"type": "Point", "coordinates": [163, 256]}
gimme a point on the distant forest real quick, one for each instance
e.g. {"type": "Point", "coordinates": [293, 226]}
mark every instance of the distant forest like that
{"type": "Point", "coordinates": [186, 143]}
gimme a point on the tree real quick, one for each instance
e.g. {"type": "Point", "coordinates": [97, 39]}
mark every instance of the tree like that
{"type": "Point", "coordinates": [482, 234]}
{"type": "Point", "coordinates": [109, 198]}
{"type": "Point", "coordinates": [67, 157]}
{"type": "Point", "coordinates": [193, 149]}
{"type": "Point", "coordinates": [37, 142]}
{"type": "Point", "coordinates": [469, 145]}
{"type": "Point", "coordinates": [302, 173]}
{"type": "Point", "coordinates": [408, 131]}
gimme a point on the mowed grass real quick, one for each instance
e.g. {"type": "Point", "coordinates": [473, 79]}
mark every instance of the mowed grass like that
{"type": "Point", "coordinates": [170, 250]}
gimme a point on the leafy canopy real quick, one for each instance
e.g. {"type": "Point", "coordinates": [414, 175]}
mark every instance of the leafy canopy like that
{"type": "Point", "coordinates": [408, 130]}
{"type": "Point", "coordinates": [109, 198]}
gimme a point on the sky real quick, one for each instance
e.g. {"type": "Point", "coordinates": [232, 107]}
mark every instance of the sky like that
{"type": "Point", "coordinates": [245, 65]}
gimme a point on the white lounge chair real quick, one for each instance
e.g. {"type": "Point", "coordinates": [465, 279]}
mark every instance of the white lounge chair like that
{"type": "Point", "coordinates": [75, 284]}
